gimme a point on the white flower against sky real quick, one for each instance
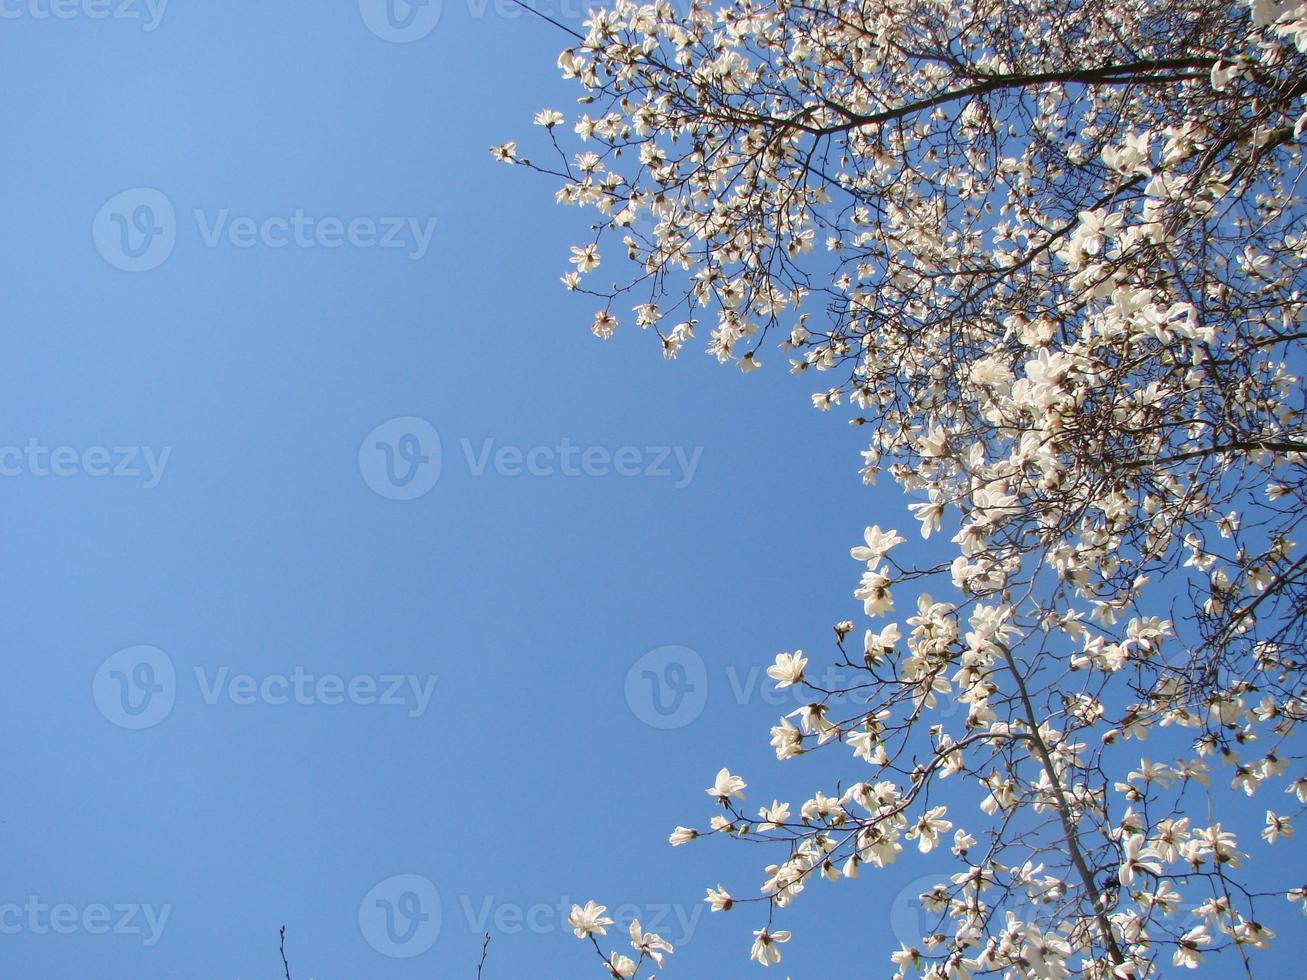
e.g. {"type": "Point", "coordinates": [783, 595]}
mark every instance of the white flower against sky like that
{"type": "Point", "coordinates": [727, 786]}
{"type": "Point", "coordinates": [588, 920]}
{"type": "Point", "coordinates": [765, 944]}
{"type": "Point", "coordinates": [788, 668]}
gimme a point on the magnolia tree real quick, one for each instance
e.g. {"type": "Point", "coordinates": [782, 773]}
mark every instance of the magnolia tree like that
{"type": "Point", "coordinates": [1050, 255]}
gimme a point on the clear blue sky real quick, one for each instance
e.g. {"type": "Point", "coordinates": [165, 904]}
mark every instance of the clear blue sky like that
{"type": "Point", "coordinates": [244, 544]}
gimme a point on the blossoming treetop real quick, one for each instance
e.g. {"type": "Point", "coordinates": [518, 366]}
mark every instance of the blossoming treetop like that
{"type": "Point", "coordinates": [1051, 254]}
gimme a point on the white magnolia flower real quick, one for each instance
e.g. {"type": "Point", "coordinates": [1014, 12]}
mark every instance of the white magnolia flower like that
{"type": "Point", "coordinates": [719, 900]}
{"type": "Point", "coordinates": [588, 921]}
{"type": "Point", "coordinates": [1277, 827]}
{"type": "Point", "coordinates": [764, 948]}
{"type": "Point", "coordinates": [906, 956]}
{"type": "Point", "coordinates": [1186, 951]}
{"type": "Point", "coordinates": [726, 786]}
{"type": "Point", "coordinates": [772, 817]}
{"type": "Point", "coordinates": [788, 668]}
{"type": "Point", "coordinates": [928, 827]}
{"type": "Point", "coordinates": [878, 544]}
{"type": "Point", "coordinates": [874, 592]}
{"type": "Point", "coordinates": [1136, 857]}
{"type": "Point", "coordinates": [649, 945]}
{"type": "Point", "coordinates": [786, 740]}
{"type": "Point", "coordinates": [585, 257]}
{"type": "Point", "coordinates": [620, 967]}
{"type": "Point", "coordinates": [682, 835]}
{"type": "Point", "coordinates": [880, 644]}
{"type": "Point", "coordinates": [1299, 895]}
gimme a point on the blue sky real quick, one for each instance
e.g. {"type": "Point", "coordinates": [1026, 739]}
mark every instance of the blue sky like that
{"type": "Point", "coordinates": [391, 662]}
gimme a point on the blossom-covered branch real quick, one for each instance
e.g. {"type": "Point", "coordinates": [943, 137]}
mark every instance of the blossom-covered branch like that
{"type": "Point", "coordinates": [1051, 254]}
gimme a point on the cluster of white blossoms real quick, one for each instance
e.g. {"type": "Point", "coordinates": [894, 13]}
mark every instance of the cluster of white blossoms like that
{"type": "Point", "coordinates": [1052, 254]}
{"type": "Point", "coordinates": [589, 920]}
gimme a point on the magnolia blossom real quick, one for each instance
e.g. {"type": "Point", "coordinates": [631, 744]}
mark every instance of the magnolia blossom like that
{"type": "Point", "coordinates": [788, 669]}
{"type": "Point", "coordinates": [621, 967]}
{"type": "Point", "coordinates": [719, 900]}
{"type": "Point", "coordinates": [1137, 857]}
{"type": "Point", "coordinates": [773, 816]}
{"type": "Point", "coordinates": [585, 258]}
{"type": "Point", "coordinates": [588, 921]}
{"type": "Point", "coordinates": [682, 835]}
{"type": "Point", "coordinates": [878, 543]}
{"type": "Point", "coordinates": [1186, 950]}
{"type": "Point", "coordinates": [1276, 828]}
{"type": "Point", "coordinates": [764, 949]}
{"type": "Point", "coordinates": [649, 945]}
{"type": "Point", "coordinates": [726, 786]}
{"type": "Point", "coordinates": [928, 827]}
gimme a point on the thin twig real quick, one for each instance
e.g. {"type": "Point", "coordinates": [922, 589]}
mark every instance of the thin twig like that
{"type": "Point", "coordinates": [284, 964]}
{"type": "Point", "coordinates": [544, 16]}
{"type": "Point", "coordinates": [485, 945]}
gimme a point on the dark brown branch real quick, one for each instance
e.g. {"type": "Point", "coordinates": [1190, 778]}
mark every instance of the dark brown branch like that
{"type": "Point", "coordinates": [1111, 74]}
{"type": "Point", "coordinates": [1064, 812]}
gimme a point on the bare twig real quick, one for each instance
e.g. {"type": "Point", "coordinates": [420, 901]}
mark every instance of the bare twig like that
{"type": "Point", "coordinates": [485, 945]}
{"type": "Point", "coordinates": [284, 964]}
